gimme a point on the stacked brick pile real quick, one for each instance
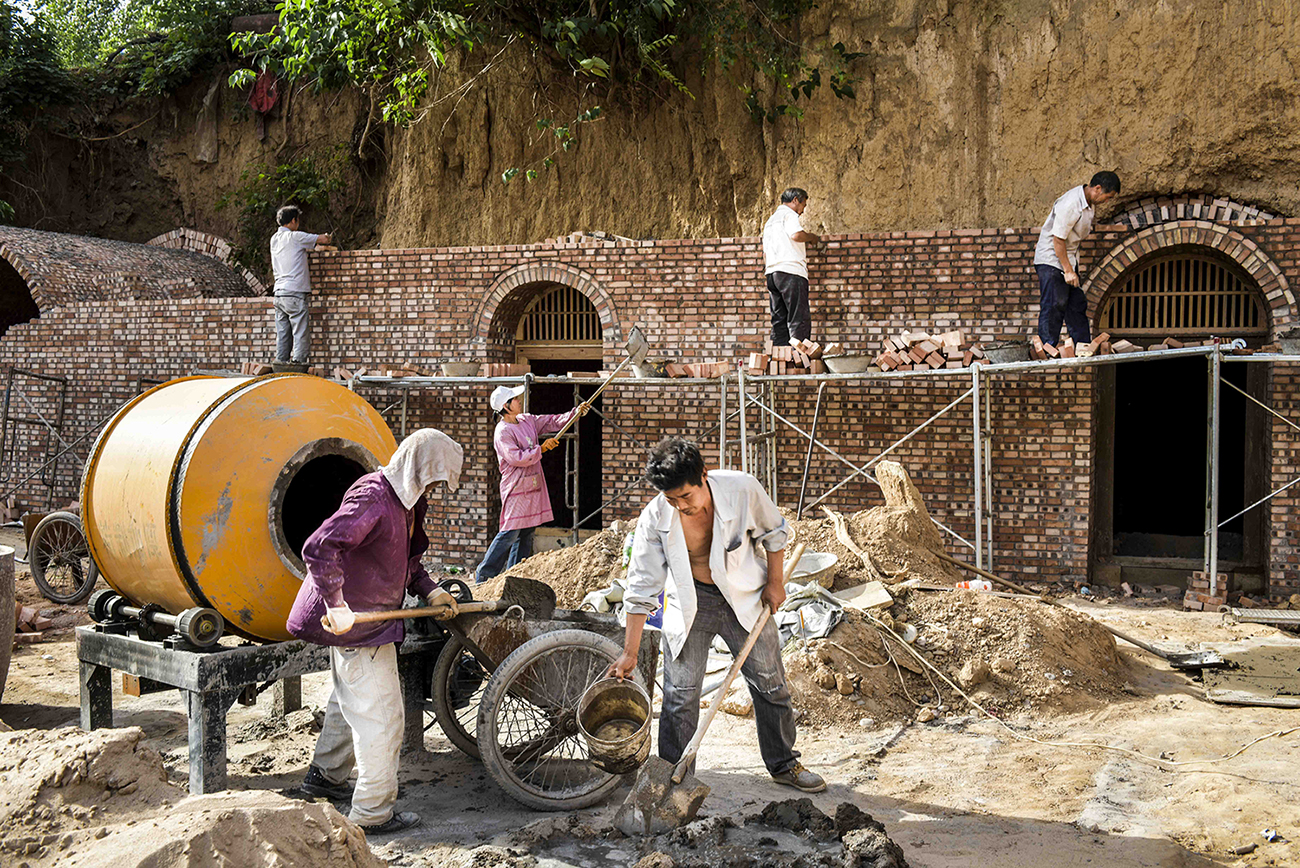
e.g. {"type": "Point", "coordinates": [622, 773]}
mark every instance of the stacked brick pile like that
{"type": "Point", "coordinates": [908, 351]}
{"type": "Point", "coordinates": [29, 625]}
{"type": "Point", "coordinates": [1198, 595]}
{"type": "Point", "coordinates": [502, 369]}
{"type": "Point", "coordinates": [1102, 345]}
{"type": "Point", "coordinates": [800, 357]}
{"type": "Point", "coordinates": [700, 370]}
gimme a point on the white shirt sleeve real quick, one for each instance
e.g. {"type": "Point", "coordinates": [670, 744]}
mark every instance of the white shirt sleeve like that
{"type": "Point", "coordinates": [305, 240]}
{"type": "Point", "coordinates": [647, 569]}
{"type": "Point", "coordinates": [792, 224]}
{"type": "Point", "coordinates": [1067, 214]}
{"type": "Point", "coordinates": [767, 525]}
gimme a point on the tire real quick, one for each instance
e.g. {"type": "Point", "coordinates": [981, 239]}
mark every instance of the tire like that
{"type": "Point", "coordinates": [527, 728]}
{"type": "Point", "coordinates": [458, 680]}
{"type": "Point", "coordinates": [60, 561]}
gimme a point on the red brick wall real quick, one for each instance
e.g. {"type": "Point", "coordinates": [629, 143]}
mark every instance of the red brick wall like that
{"type": "Point", "coordinates": [694, 299]}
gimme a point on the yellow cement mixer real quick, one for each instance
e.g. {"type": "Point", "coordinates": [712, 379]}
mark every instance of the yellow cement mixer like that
{"type": "Point", "coordinates": [202, 491]}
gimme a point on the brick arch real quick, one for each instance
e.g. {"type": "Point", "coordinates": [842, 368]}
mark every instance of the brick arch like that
{"type": "Point", "coordinates": [505, 299]}
{"type": "Point", "coordinates": [1278, 298]}
{"type": "Point", "coordinates": [1154, 210]}
{"type": "Point", "coordinates": [209, 245]}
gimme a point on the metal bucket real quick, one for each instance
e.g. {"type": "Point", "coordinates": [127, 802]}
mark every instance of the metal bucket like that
{"type": "Point", "coordinates": [1017, 351]}
{"type": "Point", "coordinates": [614, 718]}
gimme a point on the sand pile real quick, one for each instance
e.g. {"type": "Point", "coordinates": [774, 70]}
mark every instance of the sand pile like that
{"type": "Point", "coordinates": [101, 798]}
{"type": "Point", "coordinates": [573, 572]}
{"type": "Point", "coordinates": [1008, 654]}
{"type": "Point", "coordinates": [899, 538]}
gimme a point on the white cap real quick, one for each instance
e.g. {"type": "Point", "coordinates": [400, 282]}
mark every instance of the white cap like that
{"type": "Point", "coordinates": [501, 396]}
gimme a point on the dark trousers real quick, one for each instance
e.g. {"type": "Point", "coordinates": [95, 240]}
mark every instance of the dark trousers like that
{"type": "Point", "coordinates": [787, 294]}
{"type": "Point", "coordinates": [1060, 302]}
{"type": "Point", "coordinates": [763, 672]}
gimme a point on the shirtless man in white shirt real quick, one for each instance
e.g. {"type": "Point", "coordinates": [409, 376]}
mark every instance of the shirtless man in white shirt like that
{"type": "Point", "coordinates": [1056, 259]}
{"type": "Point", "coordinates": [712, 542]}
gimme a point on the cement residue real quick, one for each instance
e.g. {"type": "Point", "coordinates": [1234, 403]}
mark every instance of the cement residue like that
{"type": "Point", "coordinates": [102, 799]}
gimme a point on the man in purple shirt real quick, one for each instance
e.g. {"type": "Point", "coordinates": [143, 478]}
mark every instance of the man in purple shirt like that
{"type": "Point", "coordinates": [365, 557]}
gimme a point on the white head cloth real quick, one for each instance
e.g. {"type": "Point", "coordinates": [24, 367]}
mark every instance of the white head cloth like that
{"type": "Point", "coordinates": [425, 457]}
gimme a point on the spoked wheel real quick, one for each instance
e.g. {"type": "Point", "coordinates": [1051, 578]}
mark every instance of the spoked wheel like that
{"type": "Point", "coordinates": [459, 682]}
{"type": "Point", "coordinates": [527, 724]}
{"type": "Point", "coordinates": [60, 561]}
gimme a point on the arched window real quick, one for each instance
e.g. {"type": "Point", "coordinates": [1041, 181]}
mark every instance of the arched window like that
{"type": "Point", "coordinates": [560, 322]}
{"type": "Point", "coordinates": [1184, 293]}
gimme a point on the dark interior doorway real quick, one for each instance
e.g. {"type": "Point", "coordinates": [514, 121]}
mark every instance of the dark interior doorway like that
{"type": "Point", "coordinates": [16, 302]}
{"type": "Point", "coordinates": [1160, 459]}
{"type": "Point", "coordinates": [558, 398]}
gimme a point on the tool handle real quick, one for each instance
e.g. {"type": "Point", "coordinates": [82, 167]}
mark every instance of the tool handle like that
{"type": "Point", "coordinates": [688, 756]}
{"type": "Point", "coordinates": [567, 425]}
{"type": "Point", "coordinates": [424, 612]}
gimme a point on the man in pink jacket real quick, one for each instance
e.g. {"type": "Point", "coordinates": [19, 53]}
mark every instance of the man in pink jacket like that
{"type": "Point", "coordinates": [525, 502]}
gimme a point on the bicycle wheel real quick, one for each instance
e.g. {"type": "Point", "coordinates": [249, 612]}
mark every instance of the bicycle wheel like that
{"type": "Point", "coordinates": [59, 560]}
{"type": "Point", "coordinates": [459, 682]}
{"type": "Point", "coordinates": [528, 727]}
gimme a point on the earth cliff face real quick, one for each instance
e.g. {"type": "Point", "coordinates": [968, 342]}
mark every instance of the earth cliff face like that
{"type": "Point", "coordinates": [968, 114]}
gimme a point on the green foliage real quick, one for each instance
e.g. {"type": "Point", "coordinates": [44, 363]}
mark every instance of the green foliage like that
{"type": "Point", "coordinates": [6, 212]}
{"type": "Point", "coordinates": [31, 79]}
{"type": "Point", "coordinates": [310, 181]}
{"type": "Point", "coordinates": [391, 47]}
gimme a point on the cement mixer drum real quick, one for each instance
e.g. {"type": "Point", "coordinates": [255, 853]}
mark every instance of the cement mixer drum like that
{"type": "Point", "coordinates": [202, 491]}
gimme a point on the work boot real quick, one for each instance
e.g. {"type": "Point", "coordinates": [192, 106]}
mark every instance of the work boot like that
{"type": "Point", "coordinates": [396, 823]}
{"type": "Point", "coordinates": [316, 784]}
{"type": "Point", "coordinates": [801, 779]}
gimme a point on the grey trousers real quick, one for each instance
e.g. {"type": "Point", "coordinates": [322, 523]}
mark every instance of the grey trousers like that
{"type": "Point", "coordinates": [763, 672]}
{"type": "Point", "coordinates": [292, 340]}
{"type": "Point", "coordinates": [363, 729]}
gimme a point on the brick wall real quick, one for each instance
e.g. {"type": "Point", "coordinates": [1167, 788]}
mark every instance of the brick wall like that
{"type": "Point", "coordinates": [694, 299]}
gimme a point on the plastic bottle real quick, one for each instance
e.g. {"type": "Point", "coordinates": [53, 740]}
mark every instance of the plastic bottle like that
{"type": "Point", "coordinates": [976, 585]}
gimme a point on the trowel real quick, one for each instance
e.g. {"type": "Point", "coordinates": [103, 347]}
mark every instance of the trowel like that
{"type": "Point", "coordinates": [664, 796]}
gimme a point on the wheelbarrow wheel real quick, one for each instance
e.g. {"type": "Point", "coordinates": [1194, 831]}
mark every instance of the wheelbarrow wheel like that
{"type": "Point", "coordinates": [527, 723]}
{"type": "Point", "coordinates": [459, 682]}
{"type": "Point", "coordinates": [60, 561]}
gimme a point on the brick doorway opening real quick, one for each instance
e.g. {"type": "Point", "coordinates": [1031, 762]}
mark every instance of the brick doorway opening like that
{"type": "Point", "coordinates": [1151, 466]}
{"type": "Point", "coordinates": [557, 331]}
{"type": "Point", "coordinates": [16, 302]}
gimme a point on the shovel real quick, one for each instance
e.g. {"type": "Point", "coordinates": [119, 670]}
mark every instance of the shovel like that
{"type": "Point", "coordinates": [636, 348]}
{"type": "Point", "coordinates": [1176, 659]}
{"type": "Point", "coordinates": [664, 795]}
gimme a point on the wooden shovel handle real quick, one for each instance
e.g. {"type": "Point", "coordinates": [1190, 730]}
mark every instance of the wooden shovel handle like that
{"type": "Point", "coordinates": [595, 395]}
{"type": "Point", "coordinates": [425, 612]}
{"type": "Point", "coordinates": [688, 756]}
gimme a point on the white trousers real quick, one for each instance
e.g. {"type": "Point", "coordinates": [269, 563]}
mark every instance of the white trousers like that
{"type": "Point", "coordinates": [363, 728]}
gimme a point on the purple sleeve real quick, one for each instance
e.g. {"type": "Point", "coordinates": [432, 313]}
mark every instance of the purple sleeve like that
{"type": "Point", "coordinates": [347, 528]}
{"type": "Point", "coordinates": [511, 453]}
{"type": "Point", "coordinates": [417, 576]}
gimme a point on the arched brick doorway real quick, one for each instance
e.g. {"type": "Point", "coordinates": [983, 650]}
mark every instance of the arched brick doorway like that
{"type": "Point", "coordinates": [559, 320]}
{"type": "Point", "coordinates": [16, 302]}
{"type": "Point", "coordinates": [1186, 283]}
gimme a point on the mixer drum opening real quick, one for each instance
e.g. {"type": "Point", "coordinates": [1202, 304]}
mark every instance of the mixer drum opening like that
{"type": "Point", "coordinates": [309, 490]}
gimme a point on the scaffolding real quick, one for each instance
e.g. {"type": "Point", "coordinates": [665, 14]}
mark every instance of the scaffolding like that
{"type": "Point", "coordinates": [755, 451]}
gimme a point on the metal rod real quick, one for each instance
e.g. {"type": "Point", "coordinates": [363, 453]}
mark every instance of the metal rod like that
{"type": "Point", "coordinates": [744, 411]}
{"type": "Point", "coordinates": [976, 460]}
{"type": "Point", "coordinates": [1212, 480]}
{"type": "Point", "coordinates": [1266, 497]}
{"type": "Point", "coordinates": [988, 468]}
{"type": "Point", "coordinates": [1269, 409]}
{"type": "Point", "coordinates": [405, 395]}
{"type": "Point", "coordinates": [722, 426]}
{"type": "Point", "coordinates": [807, 459]}
{"type": "Point", "coordinates": [864, 468]}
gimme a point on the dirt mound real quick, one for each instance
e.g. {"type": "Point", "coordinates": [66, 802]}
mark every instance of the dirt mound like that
{"type": "Point", "coordinates": [573, 572]}
{"type": "Point", "coordinates": [1007, 654]}
{"type": "Point", "coordinates": [899, 538]}
{"type": "Point", "coordinates": [102, 799]}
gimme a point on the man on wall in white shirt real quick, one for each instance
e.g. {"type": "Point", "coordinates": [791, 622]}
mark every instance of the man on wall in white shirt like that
{"type": "Point", "coordinates": [292, 285]}
{"type": "Point", "coordinates": [786, 266]}
{"type": "Point", "coordinates": [1056, 259]}
{"type": "Point", "coordinates": [712, 542]}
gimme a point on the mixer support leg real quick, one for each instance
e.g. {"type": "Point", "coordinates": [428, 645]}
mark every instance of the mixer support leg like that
{"type": "Point", "coordinates": [207, 715]}
{"type": "Point", "coordinates": [96, 696]}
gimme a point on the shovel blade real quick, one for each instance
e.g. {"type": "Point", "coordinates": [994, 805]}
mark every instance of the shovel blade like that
{"type": "Point", "coordinates": [637, 346]}
{"type": "Point", "coordinates": [657, 805]}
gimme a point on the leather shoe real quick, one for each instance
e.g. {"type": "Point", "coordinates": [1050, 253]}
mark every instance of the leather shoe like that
{"type": "Point", "coordinates": [801, 779]}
